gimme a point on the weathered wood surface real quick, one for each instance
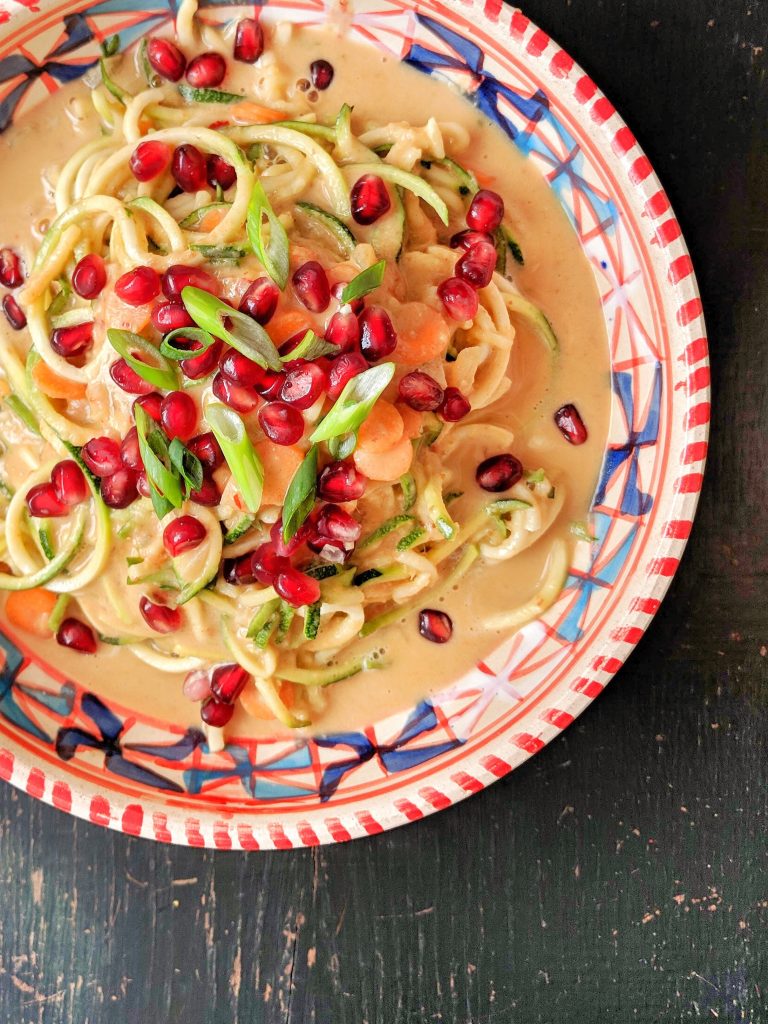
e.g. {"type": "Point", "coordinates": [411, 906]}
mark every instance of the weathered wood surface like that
{"type": "Point", "coordinates": [622, 874]}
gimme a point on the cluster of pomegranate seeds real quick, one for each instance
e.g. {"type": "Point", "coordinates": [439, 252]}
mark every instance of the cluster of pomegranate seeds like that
{"type": "Point", "coordinates": [207, 449]}
{"type": "Point", "coordinates": [321, 74]}
{"type": "Point", "coordinates": [459, 299]}
{"type": "Point", "coordinates": [228, 682]}
{"type": "Point", "coordinates": [249, 41]}
{"type": "Point", "coordinates": [11, 270]}
{"type": "Point", "coordinates": [499, 472]}
{"type": "Point", "coordinates": [296, 588]}
{"type": "Point", "coordinates": [116, 465]}
{"type": "Point", "coordinates": [189, 168]}
{"type": "Point", "coordinates": [178, 415]}
{"type": "Point", "coordinates": [43, 502]}
{"type": "Point", "coordinates": [377, 335]}
{"type": "Point", "coordinates": [149, 159]}
{"type": "Point", "coordinates": [570, 424]}
{"type": "Point", "coordinates": [69, 483]}
{"type": "Point", "coordinates": [14, 314]}
{"type": "Point", "coordinates": [119, 489]}
{"type": "Point", "coordinates": [260, 300]}
{"type": "Point", "coordinates": [435, 625]}
{"type": "Point", "coordinates": [166, 59]}
{"type": "Point", "coordinates": [340, 482]}
{"type": "Point", "coordinates": [468, 239]}
{"type": "Point", "coordinates": [266, 563]}
{"type": "Point", "coordinates": [127, 379]}
{"type": "Point", "coordinates": [215, 713]}
{"type": "Point", "coordinates": [310, 282]}
{"type": "Point", "coordinates": [72, 341]}
{"type": "Point", "coordinates": [454, 405]}
{"type": "Point", "coordinates": [282, 423]}
{"type": "Point", "coordinates": [220, 172]}
{"type": "Point", "coordinates": [77, 636]}
{"type": "Point", "coordinates": [160, 617]}
{"type": "Point", "coordinates": [139, 286]}
{"type": "Point", "coordinates": [334, 523]}
{"type": "Point", "coordinates": [206, 71]}
{"type": "Point", "coordinates": [420, 391]}
{"type": "Point", "coordinates": [183, 534]}
{"type": "Point", "coordinates": [474, 269]}
{"type": "Point", "coordinates": [89, 276]}
{"type": "Point", "coordinates": [303, 385]}
{"type": "Point", "coordinates": [285, 548]}
{"type": "Point", "coordinates": [239, 397]}
{"type": "Point", "coordinates": [101, 455]}
{"type": "Point", "coordinates": [369, 199]}
{"type": "Point", "coordinates": [170, 316]}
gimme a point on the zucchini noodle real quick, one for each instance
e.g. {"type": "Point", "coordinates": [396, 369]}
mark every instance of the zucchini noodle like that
{"type": "Point", "coordinates": [196, 547]}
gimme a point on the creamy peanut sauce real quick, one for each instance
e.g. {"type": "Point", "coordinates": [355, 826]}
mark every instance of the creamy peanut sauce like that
{"type": "Point", "coordinates": [556, 276]}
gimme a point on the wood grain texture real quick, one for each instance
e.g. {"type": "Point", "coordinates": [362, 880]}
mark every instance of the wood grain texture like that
{"type": "Point", "coordinates": [622, 874]}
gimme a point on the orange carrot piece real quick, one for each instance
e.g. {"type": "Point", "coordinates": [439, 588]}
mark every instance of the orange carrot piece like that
{"type": "Point", "coordinates": [280, 463]}
{"type": "Point", "coordinates": [422, 334]}
{"type": "Point", "coordinates": [388, 465]}
{"type": "Point", "coordinates": [253, 704]}
{"type": "Point", "coordinates": [118, 314]}
{"type": "Point", "coordinates": [382, 429]}
{"type": "Point", "coordinates": [54, 386]}
{"type": "Point", "coordinates": [284, 324]}
{"type": "Point", "coordinates": [211, 220]}
{"type": "Point", "coordinates": [30, 610]}
{"type": "Point", "coordinates": [249, 112]}
{"type": "Point", "coordinates": [412, 420]}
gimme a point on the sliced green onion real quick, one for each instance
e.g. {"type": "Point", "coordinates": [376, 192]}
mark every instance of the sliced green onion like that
{"type": "Point", "coordinates": [366, 281]}
{"type": "Point", "coordinates": [412, 182]}
{"type": "Point", "coordinates": [342, 447]}
{"type": "Point", "coordinates": [56, 617]}
{"type": "Point", "coordinates": [238, 451]}
{"type": "Point", "coordinates": [124, 343]}
{"type": "Point", "coordinates": [237, 329]}
{"type": "Point", "coordinates": [300, 496]}
{"type": "Point", "coordinates": [221, 253]}
{"type": "Point", "coordinates": [24, 413]}
{"type": "Point", "coordinates": [187, 465]}
{"type": "Point", "coordinates": [191, 95]}
{"type": "Point", "coordinates": [273, 253]}
{"type": "Point", "coordinates": [310, 347]}
{"type": "Point", "coordinates": [176, 353]}
{"type": "Point", "coordinates": [354, 403]}
{"type": "Point", "coordinates": [165, 488]}
{"type": "Point", "coordinates": [385, 528]}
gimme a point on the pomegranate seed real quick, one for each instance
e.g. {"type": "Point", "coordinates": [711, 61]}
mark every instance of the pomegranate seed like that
{"type": "Point", "coordinates": [477, 265]}
{"type": "Point", "coordinates": [183, 534]}
{"type": "Point", "coordinates": [142, 485]}
{"type": "Point", "coordinates": [266, 563]}
{"type": "Point", "coordinates": [249, 41]}
{"type": "Point", "coordinates": [179, 276]}
{"type": "Point", "coordinates": [77, 636]}
{"type": "Point", "coordinates": [216, 714]}
{"type": "Point", "coordinates": [435, 625]}
{"type": "Point", "coordinates": [72, 341]}
{"type": "Point", "coordinates": [570, 424]}
{"type": "Point", "coordinates": [166, 59]}
{"type": "Point", "coordinates": [150, 404]}
{"type": "Point", "coordinates": [499, 472]}
{"type": "Point", "coordinates": [286, 548]}
{"type": "Point", "coordinates": [321, 74]}
{"type": "Point", "coordinates": [303, 386]}
{"type": "Point", "coordinates": [42, 501]}
{"type": "Point", "coordinates": [149, 159]}
{"type": "Point", "coordinates": [171, 316]}
{"type": "Point", "coordinates": [14, 314]}
{"type": "Point", "coordinates": [282, 423]}
{"type": "Point", "coordinates": [420, 391]}
{"type": "Point", "coordinates": [228, 682]}
{"type": "Point", "coordinates": [310, 282]}
{"type": "Point", "coordinates": [129, 451]}
{"type": "Point", "coordinates": [236, 396]}
{"type": "Point", "coordinates": [89, 276]}
{"type": "Point", "coordinates": [468, 239]}
{"type": "Point", "coordinates": [343, 330]}
{"type": "Point", "coordinates": [220, 172]}
{"type": "Point", "coordinates": [356, 305]}
{"type": "Point", "coordinates": [139, 286]}
{"type": "Point", "coordinates": [260, 301]}
{"type": "Point", "coordinates": [189, 168]}
{"type": "Point", "coordinates": [458, 298]}
{"type": "Point", "coordinates": [296, 587]}
{"type": "Point", "coordinates": [343, 370]}
{"type": "Point", "coordinates": [271, 385]}
{"type": "Point", "coordinates": [102, 456]}
{"type": "Point", "coordinates": [241, 369]}
{"type": "Point", "coordinates": [455, 406]}
{"type": "Point", "coordinates": [160, 617]}
{"type": "Point", "coordinates": [127, 379]}
{"type": "Point", "coordinates": [377, 335]}
{"type": "Point", "coordinates": [11, 271]}
{"type": "Point", "coordinates": [207, 494]}
{"type": "Point", "coordinates": [340, 482]}
{"type": "Point", "coordinates": [206, 71]}
{"type": "Point", "coordinates": [69, 482]}
{"type": "Point", "coordinates": [238, 571]}
{"type": "Point", "coordinates": [334, 523]}
{"type": "Point", "coordinates": [207, 449]}
{"type": "Point", "coordinates": [196, 685]}
{"type": "Point", "coordinates": [200, 366]}
{"type": "Point", "coordinates": [369, 199]}
{"type": "Point", "coordinates": [486, 211]}
{"type": "Point", "coordinates": [178, 415]}
{"type": "Point", "coordinates": [119, 490]}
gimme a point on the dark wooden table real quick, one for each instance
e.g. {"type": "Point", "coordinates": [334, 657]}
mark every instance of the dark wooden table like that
{"type": "Point", "coordinates": [622, 874]}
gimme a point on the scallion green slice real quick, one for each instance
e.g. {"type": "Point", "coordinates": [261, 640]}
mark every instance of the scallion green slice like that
{"type": "Point", "coordinates": [238, 451]}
